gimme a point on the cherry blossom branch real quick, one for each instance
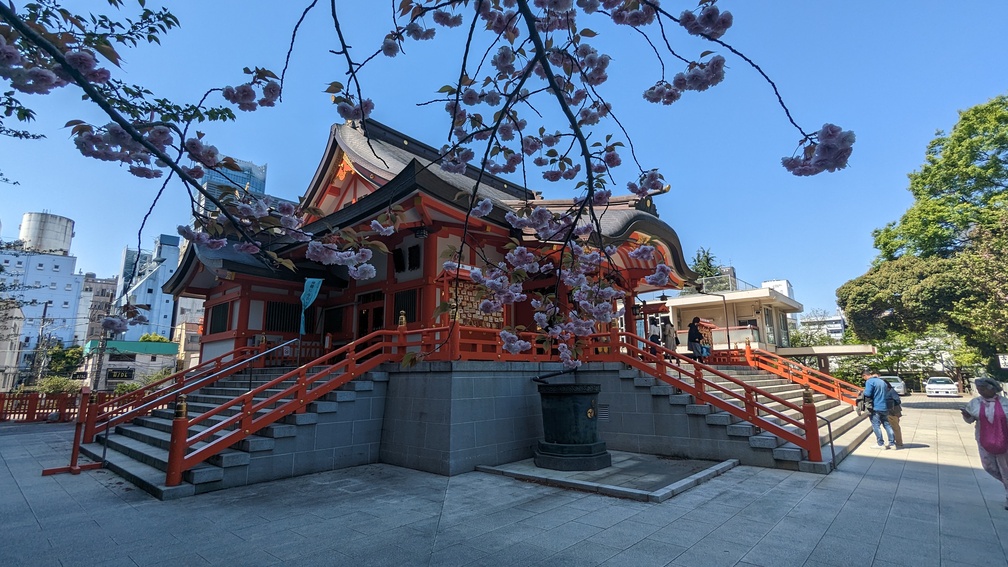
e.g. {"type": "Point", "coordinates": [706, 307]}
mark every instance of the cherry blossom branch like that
{"type": "Point", "coordinates": [740, 55]}
{"type": "Point", "coordinates": [283, 72]}
{"type": "Point", "coordinates": [38, 40]}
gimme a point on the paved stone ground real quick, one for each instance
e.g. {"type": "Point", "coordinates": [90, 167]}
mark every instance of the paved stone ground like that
{"type": "Point", "coordinates": [929, 504]}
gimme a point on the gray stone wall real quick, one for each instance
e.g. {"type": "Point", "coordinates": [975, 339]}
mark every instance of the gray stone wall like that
{"type": "Point", "coordinates": [447, 418]}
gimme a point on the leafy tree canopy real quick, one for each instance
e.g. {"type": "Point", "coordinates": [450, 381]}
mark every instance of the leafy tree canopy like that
{"type": "Point", "coordinates": [962, 184]}
{"type": "Point", "coordinates": [64, 361]}
{"type": "Point", "coordinates": [153, 338]}
{"type": "Point", "coordinates": [908, 292]}
{"type": "Point", "coordinates": [983, 307]}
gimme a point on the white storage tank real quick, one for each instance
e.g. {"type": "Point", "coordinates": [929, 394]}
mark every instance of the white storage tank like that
{"type": "Point", "coordinates": [47, 233]}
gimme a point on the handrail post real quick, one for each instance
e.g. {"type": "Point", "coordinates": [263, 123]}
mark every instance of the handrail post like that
{"type": "Point", "coordinates": [179, 442]}
{"type": "Point", "coordinates": [91, 420]}
{"type": "Point", "coordinates": [3, 406]}
{"type": "Point", "coordinates": [78, 429]}
{"type": "Point", "coordinates": [748, 353]}
{"type": "Point", "coordinates": [454, 340]}
{"type": "Point", "coordinates": [750, 404]}
{"type": "Point", "coordinates": [302, 390]}
{"type": "Point", "coordinates": [247, 414]}
{"type": "Point", "coordinates": [75, 468]}
{"type": "Point", "coordinates": [32, 410]}
{"type": "Point", "coordinates": [699, 384]}
{"type": "Point", "coordinates": [811, 426]}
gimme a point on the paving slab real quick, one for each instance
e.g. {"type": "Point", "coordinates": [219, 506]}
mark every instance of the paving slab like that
{"type": "Point", "coordinates": [928, 504]}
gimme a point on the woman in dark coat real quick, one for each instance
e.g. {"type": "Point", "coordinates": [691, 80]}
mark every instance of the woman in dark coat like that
{"type": "Point", "coordinates": [694, 338]}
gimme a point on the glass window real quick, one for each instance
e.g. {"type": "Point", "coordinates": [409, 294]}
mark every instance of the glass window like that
{"type": "Point", "coordinates": [56, 267]}
{"type": "Point", "coordinates": [69, 287]}
{"type": "Point", "coordinates": [41, 265]}
{"type": "Point", "coordinates": [768, 322]}
{"type": "Point", "coordinates": [52, 285]}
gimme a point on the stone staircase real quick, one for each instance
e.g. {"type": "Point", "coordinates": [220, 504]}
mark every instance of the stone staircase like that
{"type": "Point", "coordinates": [341, 429]}
{"type": "Point", "coordinates": [846, 430]}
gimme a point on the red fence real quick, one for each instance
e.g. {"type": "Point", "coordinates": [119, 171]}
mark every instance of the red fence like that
{"type": "Point", "coordinates": [38, 407]}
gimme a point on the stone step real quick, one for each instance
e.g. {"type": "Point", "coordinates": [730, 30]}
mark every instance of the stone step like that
{"type": "Point", "coordinates": [844, 419]}
{"type": "Point", "coordinates": [145, 477]}
{"type": "Point", "coordinates": [158, 458]}
{"type": "Point", "coordinates": [251, 444]}
{"type": "Point", "coordinates": [274, 430]}
{"type": "Point", "coordinates": [162, 440]}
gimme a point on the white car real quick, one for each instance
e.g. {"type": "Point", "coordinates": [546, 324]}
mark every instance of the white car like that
{"type": "Point", "coordinates": [941, 386]}
{"type": "Point", "coordinates": [897, 383]}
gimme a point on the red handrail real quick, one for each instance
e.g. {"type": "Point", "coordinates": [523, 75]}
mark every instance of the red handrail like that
{"type": "Point", "coordinates": [669, 366]}
{"type": "Point", "coordinates": [803, 375]}
{"type": "Point", "coordinates": [161, 393]}
{"type": "Point", "coordinates": [342, 365]}
{"type": "Point", "coordinates": [378, 347]}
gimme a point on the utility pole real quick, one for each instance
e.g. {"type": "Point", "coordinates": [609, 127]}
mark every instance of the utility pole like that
{"type": "Point", "coordinates": [38, 368]}
{"type": "Point", "coordinates": [102, 343]}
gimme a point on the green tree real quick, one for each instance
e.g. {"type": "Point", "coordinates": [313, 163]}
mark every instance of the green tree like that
{"type": "Point", "coordinates": [941, 263]}
{"type": "Point", "coordinates": [961, 185]}
{"type": "Point", "coordinates": [705, 264]}
{"type": "Point", "coordinates": [983, 307]}
{"type": "Point", "coordinates": [906, 293]}
{"type": "Point", "coordinates": [64, 361]}
{"type": "Point", "coordinates": [153, 338]}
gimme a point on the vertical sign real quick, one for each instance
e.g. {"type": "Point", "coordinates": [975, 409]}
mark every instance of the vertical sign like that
{"type": "Point", "coordinates": [311, 289]}
{"type": "Point", "coordinates": [1003, 360]}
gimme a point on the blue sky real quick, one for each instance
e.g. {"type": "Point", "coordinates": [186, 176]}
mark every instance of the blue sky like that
{"type": "Point", "coordinates": [894, 72]}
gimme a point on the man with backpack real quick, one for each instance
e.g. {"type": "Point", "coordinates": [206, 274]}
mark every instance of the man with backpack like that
{"type": "Point", "coordinates": [876, 390]}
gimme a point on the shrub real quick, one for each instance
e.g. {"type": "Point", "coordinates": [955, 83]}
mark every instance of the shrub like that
{"type": "Point", "coordinates": [125, 388]}
{"type": "Point", "coordinates": [153, 338]}
{"type": "Point", "coordinates": [148, 379]}
{"type": "Point", "coordinates": [58, 385]}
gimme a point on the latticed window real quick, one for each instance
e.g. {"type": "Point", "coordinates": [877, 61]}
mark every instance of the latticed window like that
{"type": "Point", "coordinates": [408, 301]}
{"type": "Point", "coordinates": [283, 317]}
{"type": "Point", "coordinates": [220, 318]}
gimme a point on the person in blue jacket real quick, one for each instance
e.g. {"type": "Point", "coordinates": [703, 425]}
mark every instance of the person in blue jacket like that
{"type": "Point", "coordinates": [875, 390]}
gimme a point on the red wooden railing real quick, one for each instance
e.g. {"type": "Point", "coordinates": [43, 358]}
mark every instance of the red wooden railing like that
{"type": "Point", "coordinates": [197, 439]}
{"type": "Point", "coordinates": [302, 386]}
{"type": "Point", "coordinates": [800, 374]}
{"type": "Point", "coordinates": [38, 407]}
{"type": "Point", "coordinates": [334, 369]}
{"type": "Point", "coordinates": [107, 414]}
{"type": "Point", "coordinates": [687, 375]}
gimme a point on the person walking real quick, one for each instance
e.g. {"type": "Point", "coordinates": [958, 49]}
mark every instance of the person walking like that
{"type": "Point", "coordinates": [988, 411]}
{"type": "Point", "coordinates": [875, 390]}
{"type": "Point", "coordinates": [895, 412]}
{"type": "Point", "coordinates": [693, 339]}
